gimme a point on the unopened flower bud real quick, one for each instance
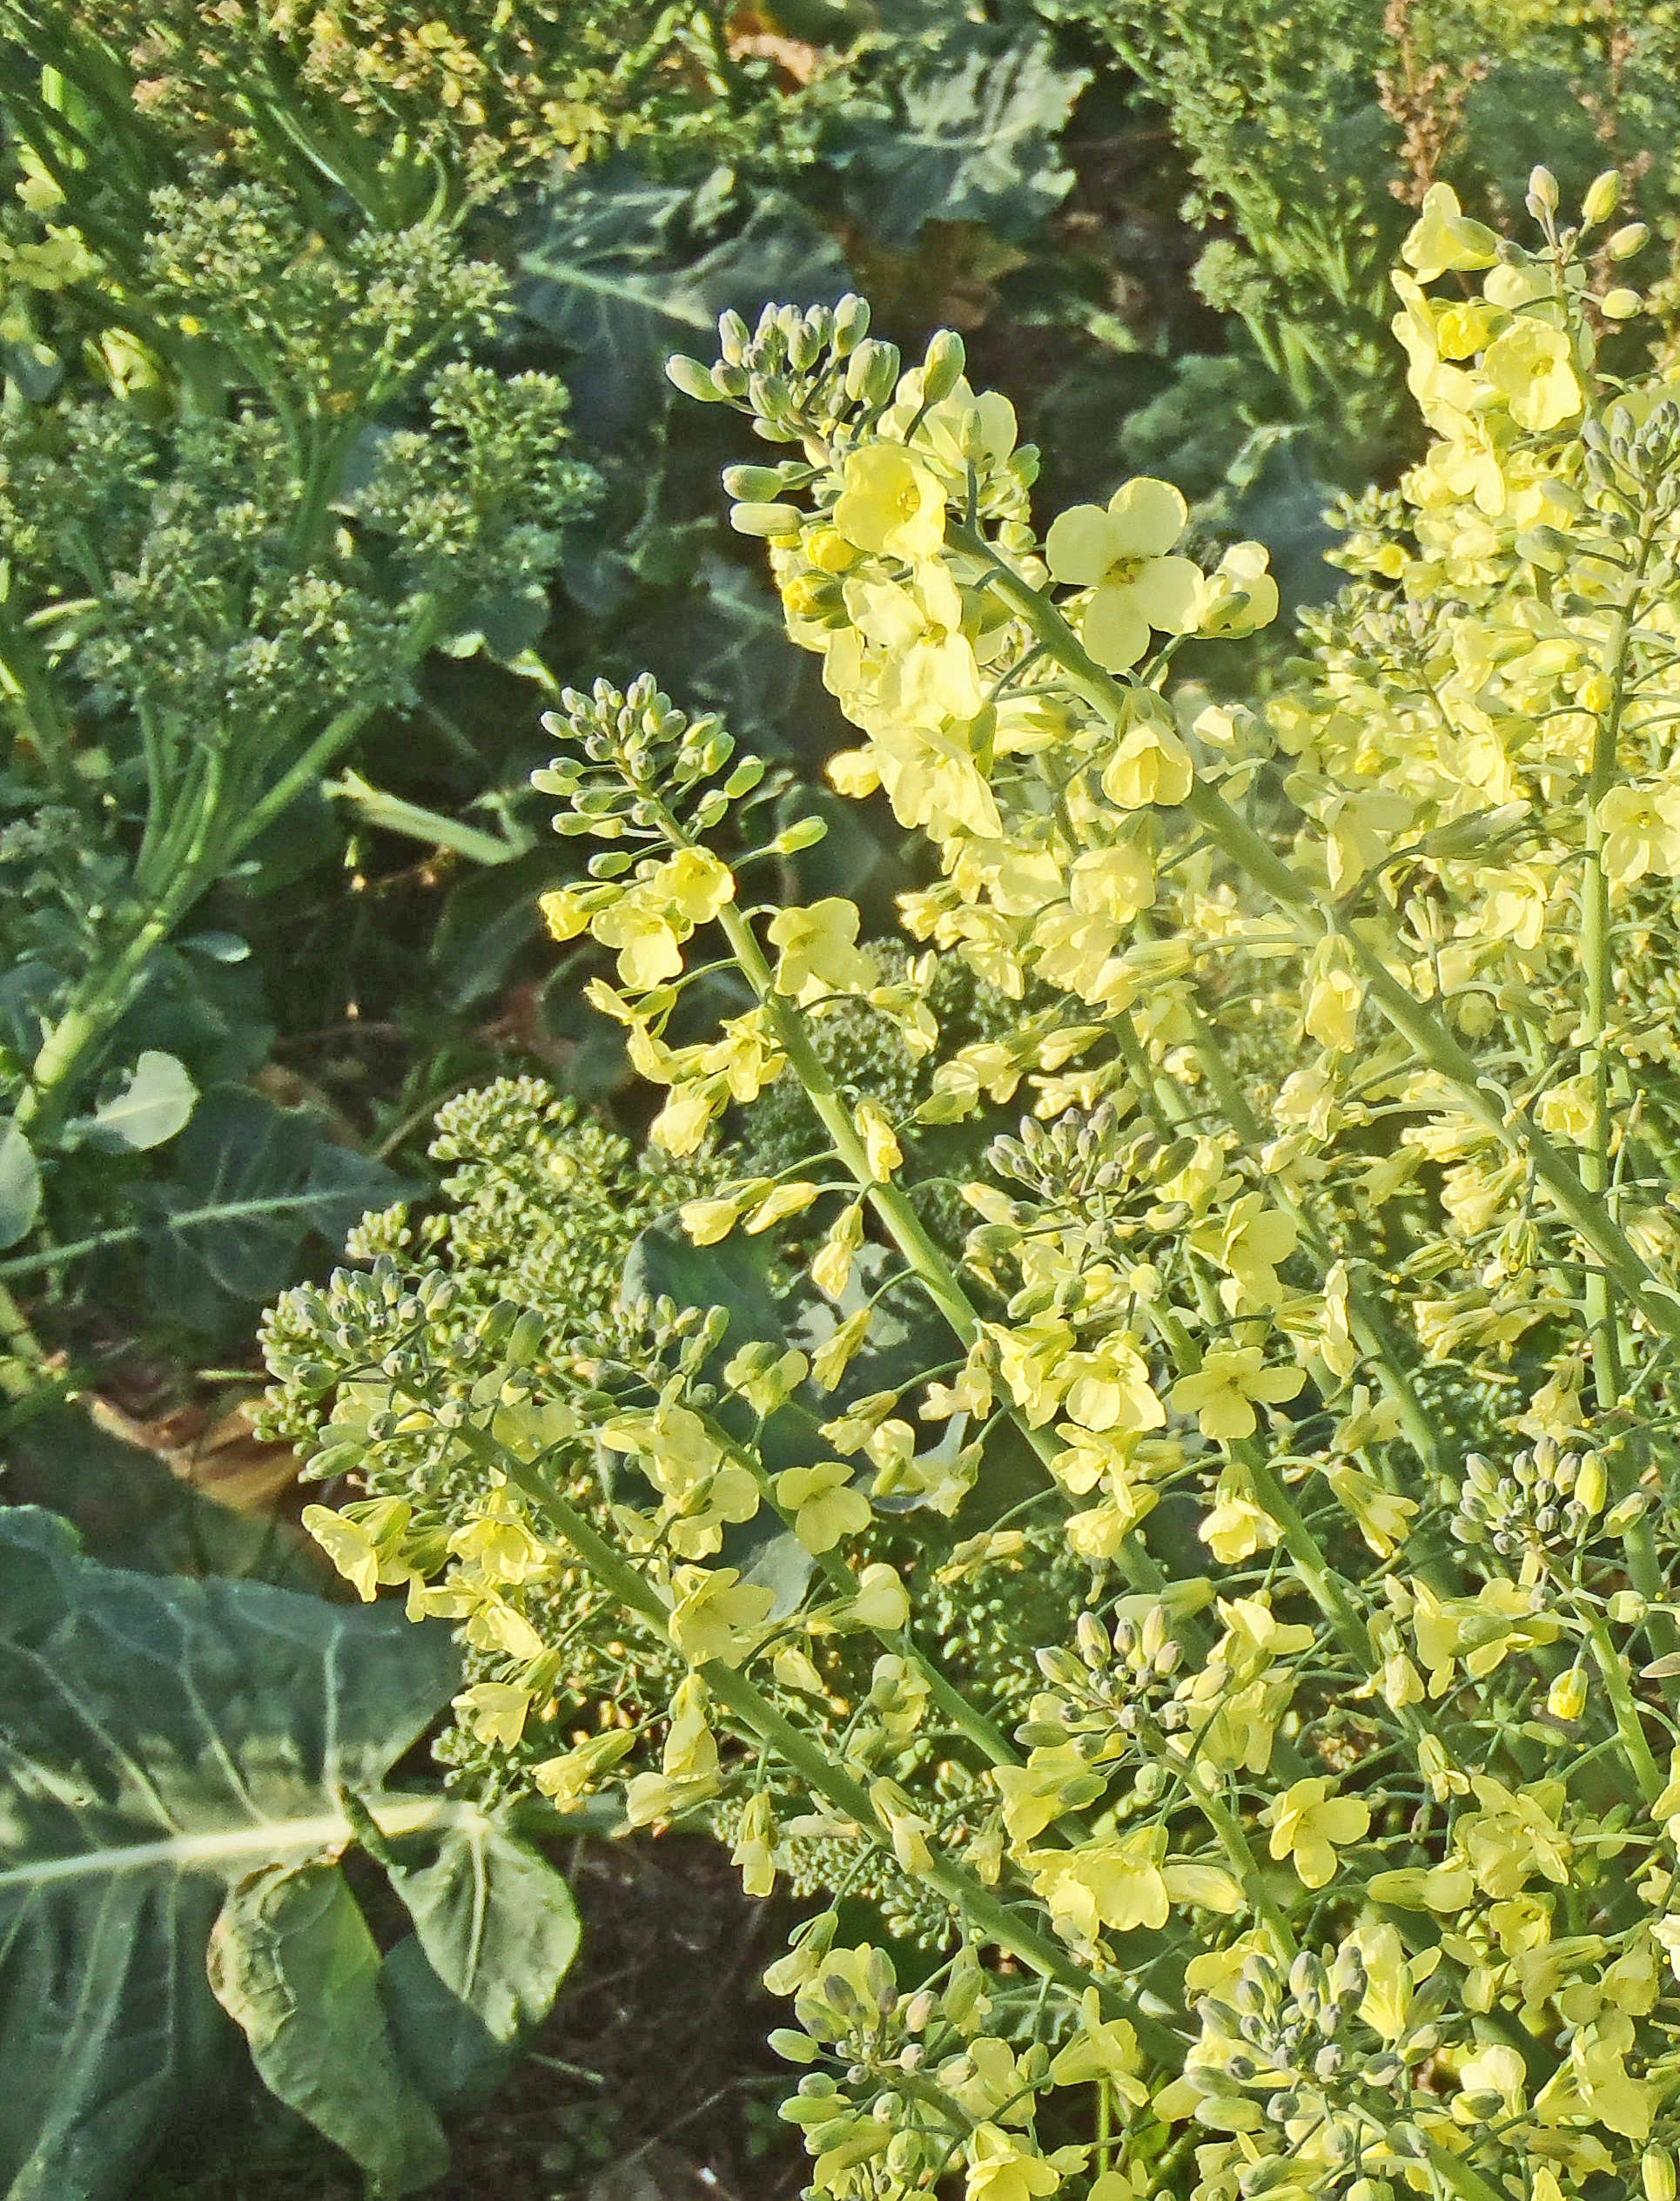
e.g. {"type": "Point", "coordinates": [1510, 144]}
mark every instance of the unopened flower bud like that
{"type": "Point", "coordinates": [1602, 195]}
{"type": "Point", "coordinates": [693, 379]}
{"type": "Point", "coordinates": [765, 519]}
{"type": "Point", "coordinates": [942, 368]}
{"type": "Point", "coordinates": [1590, 1484]}
{"type": "Point", "coordinates": [1543, 192]}
{"type": "Point", "coordinates": [872, 372]}
{"type": "Point", "coordinates": [1623, 243]}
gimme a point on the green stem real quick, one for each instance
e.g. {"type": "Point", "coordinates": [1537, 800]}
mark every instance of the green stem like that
{"type": "Point", "coordinates": [1628, 1726]}
{"type": "Point", "coordinates": [988, 1914]}
{"type": "Point", "coordinates": [902, 1222]}
{"type": "Point", "coordinates": [1228, 1827]}
{"type": "Point", "coordinates": [1432, 1041]}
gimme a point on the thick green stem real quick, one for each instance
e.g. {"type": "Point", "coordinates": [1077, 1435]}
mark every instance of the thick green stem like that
{"type": "Point", "coordinates": [1636, 1744]}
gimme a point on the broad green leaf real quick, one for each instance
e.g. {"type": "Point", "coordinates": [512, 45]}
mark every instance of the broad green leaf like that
{"type": "Point", "coordinates": [293, 1961]}
{"type": "Point", "coordinates": [971, 137]}
{"type": "Point", "coordinates": [20, 1185]}
{"type": "Point", "coordinates": [623, 270]}
{"type": "Point", "coordinates": [251, 1182]}
{"type": "Point", "coordinates": [163, 1740]}
{"type": "Point", "coordinates": [153, 1106]}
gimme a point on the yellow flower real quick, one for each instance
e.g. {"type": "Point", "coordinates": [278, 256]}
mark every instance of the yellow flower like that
{"type": "Point", "coordinates": [1531, 366]}
{"type": "Point", "coordinates": [1444, 238]}
{"type": "Point", "coordinates": [1241, 593]}
{"type": "Point", "coordinates": [819, 954]}
{"type": "Point", "coordinates": [1110, 1388]}
{"type": "Point", "coordinates": [1229, 1378]}
{"type": "Point", "coordinates": [1151, 765]}
{"type": "Point", "coordinates": [1237, 1525]}
{"type": "Point", "coordinates": [1001, 2168]}
{"type": "Point", "coordinates": [362, 1546]}
{"type": "Point", "coordinates": [1640, 827]}
{"type": "Point", "coordinates": [881, 1148]}
{"type": "Point", "coordinates": [824, 1502]}
{"type": "Point", "coordinates": [906, 1828]}
{"type": "Point", "coordinates": [640, 928]}
{"type": "Point", "coordinates": [881, 1603]}
{"type": "Point", "coordinates": [1308, 1823]}
{"type": "Point", "coordinates": [494, 1712]}
{"type": "Point", "coordinates": [891, 502]}
{"type": "Point", "coordinates": [716, 1614]}
{"type": "Point", "coordinates": [755, 1847]}
{"type": "Point", "coordinates": [830, 1269]}
{"type": "Point", "coordinates": [1118, 552]}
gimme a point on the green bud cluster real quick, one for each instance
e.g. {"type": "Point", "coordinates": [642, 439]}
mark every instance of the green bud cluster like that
{"type": "Point", "coordinates": [643, 761]}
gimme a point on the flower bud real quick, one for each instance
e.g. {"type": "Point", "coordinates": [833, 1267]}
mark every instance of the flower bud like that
{"type": "Point", "coordinates": [872, 372]}
{"type": "Point", "coordinates": [851, 323]}
{"type": "Point", "coordinates": [693, 379]}
{"type": "Point", "coordinates": [1602, 195]}
{"type": "Point", "coordinates": [805, 834]}
{"type": "Point", "coordinates": [1567, 1699]}
{"type": "Point", "coordinates": [942, 367]}
{"type": "Point", "coordinates": [1656, 2174]}
{"type": "Point", "coordinates": [1620, 304]}
{"type": "Point", "coordinates": [753, 484]}
{"type": "Point", "coordinates": [1623, 243]}
{"type": "Point", "coordinates": [1542, 193]}
{"type": "Point", "coordinates": [1590, 1484]}
{"type": "Point", "coordinates": [765, 519]}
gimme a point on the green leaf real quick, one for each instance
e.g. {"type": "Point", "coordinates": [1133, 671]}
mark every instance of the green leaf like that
{"type": "Point", "coordinates": [251, 1182]}
{"type": "Point", "coordinates": [496, 1925]}
{"type": "Point", "coordinates": [662, 1263]}
{"type": "Point", "coordinates": [162, 1739]}
{"type": "Point", "coordinates": [969, 138]}
{"type": "Point", "coordinates": [489, 918]}
{"type": "Point", "coordinates": [293, 1961]}
{"type": "Point", "coordinates": [622, 270]}
{"type": "Point", "coordinates": [155, 1104]}
{"type": "Point", "coordinates": [20, 1185]}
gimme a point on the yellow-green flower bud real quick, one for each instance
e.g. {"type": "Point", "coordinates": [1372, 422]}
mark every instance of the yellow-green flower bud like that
{"type": "Point", "coordinates": [1656, 2174]}
{"type": "Point", "coordinates": [1621, 304]}
{"type": "Point", "coordinates": [851, 323]}
{"type": "Point", "coordinates": [942, 368]}
{"type": "Point", "coordinates": [765, 519]}
{"type": "Point", "coordinates": [693, 379]}
{"type": "Point", "coordinates": [1602, 195]}
{"type": "Point", "coordinates": [1623, 243]}
{"type": "Point", "coordinates": [1542, 193]}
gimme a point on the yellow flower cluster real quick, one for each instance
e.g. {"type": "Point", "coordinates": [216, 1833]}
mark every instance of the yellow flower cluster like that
{"type": "Point", "coordinates": [1323, 1311]}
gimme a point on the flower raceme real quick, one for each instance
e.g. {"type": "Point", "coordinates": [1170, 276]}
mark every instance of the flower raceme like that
{"type": "Point", "coordinates": [1230, 1239]}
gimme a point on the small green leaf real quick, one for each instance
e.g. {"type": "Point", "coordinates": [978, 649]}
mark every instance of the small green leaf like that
{"type": "Point", "coordinates": [153, 1106]}
{"type": "Point", "coordinates": [292, 1962]}
{"type": "Point", "coordinates": [493, 1922]}
{"type": "Point", "coordinates": [20, 1185]}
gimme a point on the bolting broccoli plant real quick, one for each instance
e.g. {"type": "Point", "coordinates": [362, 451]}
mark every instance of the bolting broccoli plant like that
{"type": "Point", "coordinates": [1310, 1339]}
